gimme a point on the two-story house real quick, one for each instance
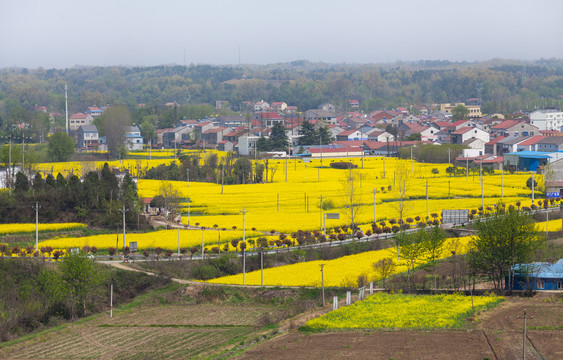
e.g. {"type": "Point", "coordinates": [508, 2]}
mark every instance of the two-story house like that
{"type": "Point", "coordinates": [79, 119]}
{"type": "Point", "coordinates": [465, 133]}
{"type": "Point", "coordinates": [87, 136]}
{"type": "Point", "coordinates": [133, 138]}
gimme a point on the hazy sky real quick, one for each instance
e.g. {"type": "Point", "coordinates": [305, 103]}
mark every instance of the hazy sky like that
{"type": "Point", "coordinates": [64, 33]}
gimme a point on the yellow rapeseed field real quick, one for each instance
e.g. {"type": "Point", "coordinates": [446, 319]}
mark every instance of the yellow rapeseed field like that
{"type": "Point", "coordinates": [343, 271]}
{"type": "Point", "coordinates": [19, 228]}
{"type": "Point", "coordinates": [401, 311]}
{"type": "Point", "coordinates": [288, 206]}
{"type": "Point", "coordinates": [166, 239]}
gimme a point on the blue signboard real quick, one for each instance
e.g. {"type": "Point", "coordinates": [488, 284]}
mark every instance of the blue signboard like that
{"type": "Point", "coordinates": [553, 194]}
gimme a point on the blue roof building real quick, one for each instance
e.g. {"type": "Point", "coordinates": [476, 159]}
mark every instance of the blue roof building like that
{"type": "Point", "coordinates": [538, 276]}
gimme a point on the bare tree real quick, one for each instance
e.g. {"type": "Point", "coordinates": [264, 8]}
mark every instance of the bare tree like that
{"type": "Point", "coordinates": [171, 196]}
{"type": "Point", "coordinates": [113, 124]}
{"type": "Point", "coordinates": [401, 185]}
{"type": "Point", "coordinates": [384, 268]}
{"type": "Point", "coordinates": [352, 196]}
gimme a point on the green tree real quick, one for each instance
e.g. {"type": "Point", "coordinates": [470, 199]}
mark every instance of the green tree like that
{"type": "Point", "coordinates": [263, 144]}
{"type": "Point", "coordinates": [61, 147]}
{"type": "Point", "coordinates": [22, 184]}
{"type": "Point", "coordinates": [82, 277]}
{"type": "Point", "coordinates": [308, 134]}
{"type": "Point", "coordinates": [147, 131]}
{"type": "Point", "coordinates": [278, 138]}
{"type": "Point", "coordinates": [414, 137]}
{"type": "Point", "coordinates": [503, 239]}
{"type": "Point", "coordinates": [460, 112]}
{"type": "Point", "coordinates": [411, 249]}
{"type": "Point", "coordinates": [242, 170]}
{"type": "Point", "coordinates": [433, 247]}
{"type": "Point", "coordinates": [325, 135]}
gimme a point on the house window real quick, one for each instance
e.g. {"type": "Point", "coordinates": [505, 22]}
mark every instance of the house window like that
{"type": "Point", "coordinates": [560, 285]}
{"type": "Point", "coordinates": [540, 284]}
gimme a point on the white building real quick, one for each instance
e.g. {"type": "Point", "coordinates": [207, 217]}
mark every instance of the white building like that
{"type": "Point", "coordinates": [548, 119]}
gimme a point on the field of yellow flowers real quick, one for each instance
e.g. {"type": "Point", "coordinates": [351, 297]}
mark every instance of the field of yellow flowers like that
{"type": "Point", "coordinates": [292, 205]}
{"type": "Point", "coordinates": [400, 311]}
{"type": "Point", "coordinates": [136, 167]}
{"type": "Point", "coordinates": [343, 271]}
{"type": "Point", "coordinates": [166, 239]}
{"type": "Point", "coordinates": [20, 228]}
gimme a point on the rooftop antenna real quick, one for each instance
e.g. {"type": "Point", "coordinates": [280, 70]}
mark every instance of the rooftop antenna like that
{"type": "Point", "coordinates": [66, 107]}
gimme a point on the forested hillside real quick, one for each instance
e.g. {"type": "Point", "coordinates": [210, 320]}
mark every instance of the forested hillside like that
{"type": "Point", "coordinates": [504, 86]}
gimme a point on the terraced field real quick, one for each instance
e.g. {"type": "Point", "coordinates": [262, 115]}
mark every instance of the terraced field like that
{"type": "Point", "coordinates": [171, 332]}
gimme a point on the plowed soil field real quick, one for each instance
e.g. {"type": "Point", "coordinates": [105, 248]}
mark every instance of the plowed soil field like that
{"type": "Point", "coordinates": [497, 335]}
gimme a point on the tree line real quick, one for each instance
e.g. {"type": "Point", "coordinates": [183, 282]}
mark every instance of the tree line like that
{"type": "Point", "coordinates": [208, 167]}
{"type": "Point", "coordinates": [96, 200]}
{"type": "Point", "coordinates": [503, 88]}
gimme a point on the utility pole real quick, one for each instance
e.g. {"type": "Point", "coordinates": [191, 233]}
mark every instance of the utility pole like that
{"type": "Point", "coordinates": [23, 149]}
{"type": "Point", "coordinates": [9, 172]}
{"type": "Point", "coordinates": [178, 241]}
{"type": "Point", "coordinates": [202, 242]}
{"type": "Point", "coordinates": [188, 177]}
{"type": "Point", "coordinates": [36, 208]}
{"type": "Point", "coordinates": [244, 211]}
{"type": "Point", "coordinates": [189, 203]}
{"type": "Point", "coordinates": [501, 180]}
{"type": "Point", "coordinates": [223, 176]}
{"type": "Point", "coordinates": [150, 149]}
{"type": "Point", "coordinates": [384, 168]}
{"type": "Point", "coordinates": [412, 166]}
{"type": "Point", "coordinates": [546, 224]}
{"type": "Point", "coordinates": [533, 181]}
{"type": "Point", "coordinates": [323, 282]}
{"type": "Point", "coordinates": [66, 107]}
{"type": "Point", "coordinates": [111, 298]}
{"type": "Point", "coordinates": [322, 230]}
{"type": "Point", "coordinates": [286, 169]}
{"type": "Point", "coordinates": [261, 267]}
{"type": "Point", "coordinates": [427, 207]}
{"type": "Point", "coordinates": [449, 158]}
{"type": "Point", "coordinates": [124, 211]}
{"type": "Point", "coordinates": [467, 169]}
{"type": "Point", "coordinates": [321, 146]}
{"type": "Point", "coordinates": [374, 209]}
{"type": "Point", "coordinates": [482, 195]}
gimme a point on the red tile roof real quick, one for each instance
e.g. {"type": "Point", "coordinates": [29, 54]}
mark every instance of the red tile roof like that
{"type": "Point", "coordinates": [462, 130]}
{"type": "Point", "coordinates": [347, 133]}
{"type": "Point", "coordinates": [79, 116]}
{"type": "Point", "coordinates": [459, 123]}
{"type": "Point", "coordinates": [495, 140]}
{"type": "Point", "coordinates": [532, 140]}
{"type": "Point", "coordinates": [336, 150]}
{"type": "Point", "coordinates": [506, 124]}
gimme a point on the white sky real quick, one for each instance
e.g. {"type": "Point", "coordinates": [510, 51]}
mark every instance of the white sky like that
{"type": "Point", "coordinates": [64, 33]}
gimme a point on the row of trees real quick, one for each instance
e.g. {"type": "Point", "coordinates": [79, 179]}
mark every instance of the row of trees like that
{"type": "Point", "coordinates": [97, 199]}
{"type": "Point", "coordinates": [227, 170]}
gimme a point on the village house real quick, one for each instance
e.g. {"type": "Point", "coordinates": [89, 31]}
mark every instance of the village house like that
{"type": "Point", "coordinates": [465, 133]}
{"type": "Point", "coordinates": [79, 119]}
{"type": "Point", "coordinates": [547, 119]}
{"type": "Point", "coordinates": [325, 116]}
{"type": "Point", "coordinates": [512, 128]}
{"type": "Point", "coordinates": [87, 137]}
{"type": "Point", "coordinates": [349, 135]}
{"type": "Point", "coordinates": [133, 138]}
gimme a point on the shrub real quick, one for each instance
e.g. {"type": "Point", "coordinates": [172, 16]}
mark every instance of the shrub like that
{"type": "Point", "coordinates": [343, 165]}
